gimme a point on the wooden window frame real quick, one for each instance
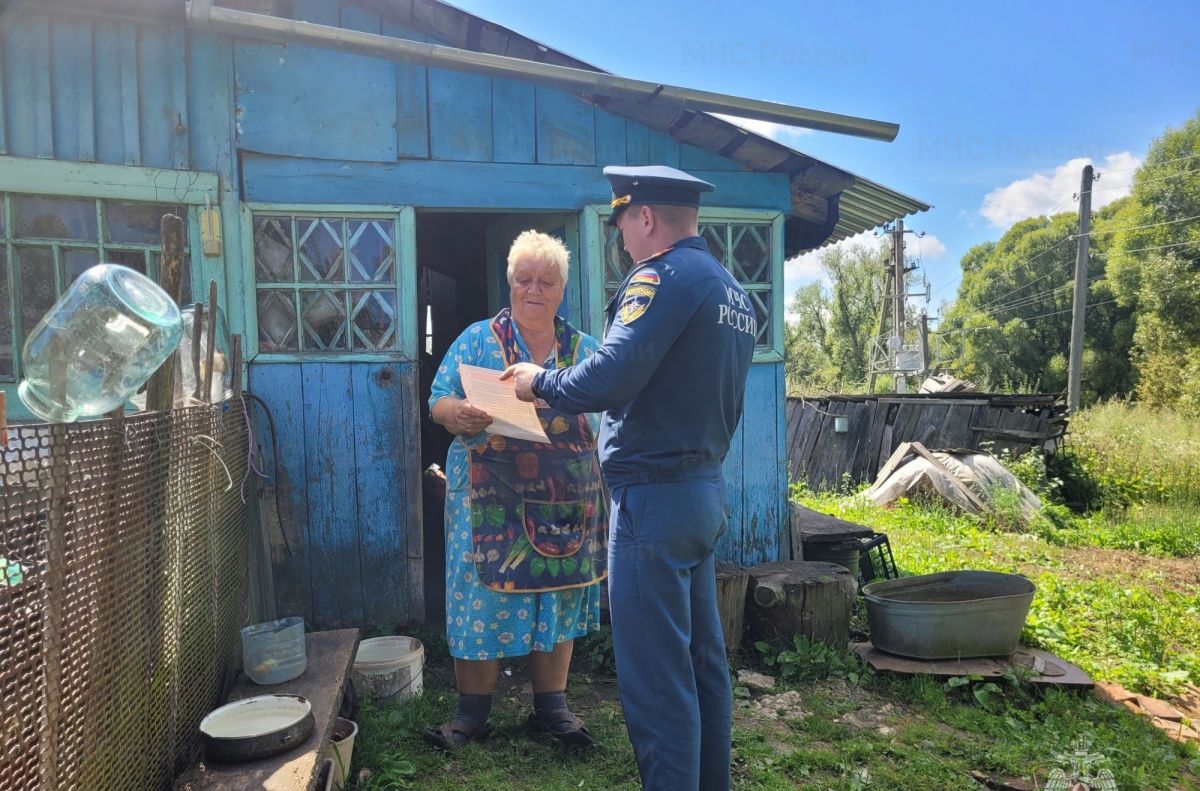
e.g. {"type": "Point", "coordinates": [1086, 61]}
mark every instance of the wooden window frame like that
{"type": "Point", "coordinates": [47, 178]}
{"type": "Point", "coordinates": [595, 274]}
{"type": "Point", "coordinates": [404, 234]}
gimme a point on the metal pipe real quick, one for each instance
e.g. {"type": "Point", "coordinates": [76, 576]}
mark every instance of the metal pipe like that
{"type": "Point", "coordinates": [201, 13]}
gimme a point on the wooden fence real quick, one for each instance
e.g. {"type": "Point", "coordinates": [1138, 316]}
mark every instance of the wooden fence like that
{"type": "Point", "coordinates": [875, 425]}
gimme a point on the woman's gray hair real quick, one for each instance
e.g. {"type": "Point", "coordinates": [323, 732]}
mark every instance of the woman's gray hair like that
{"type": "Point", "coordinates": [541, 247]}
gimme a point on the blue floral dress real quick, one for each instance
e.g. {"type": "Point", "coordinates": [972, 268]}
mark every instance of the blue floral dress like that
{"type": "Point", "coordinates": [482, 623]}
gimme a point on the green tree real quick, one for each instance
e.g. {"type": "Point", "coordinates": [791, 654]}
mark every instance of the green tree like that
{"type": "Point", "coordinates": [1154, 268]}
{"type": "Point", "coordinates": [829, 335]}
{"type": "Point", "coordinates": [1013, 313]}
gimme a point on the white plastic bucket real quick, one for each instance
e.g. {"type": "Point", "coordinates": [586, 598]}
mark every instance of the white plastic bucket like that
{"type": "Point", "coordinates": [390, 667]}
{"type": "Point", "coordinates": [343, 750]}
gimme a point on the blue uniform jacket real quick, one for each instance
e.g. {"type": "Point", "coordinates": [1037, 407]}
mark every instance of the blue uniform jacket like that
{"type": "Point", "coordinates": [671, 372]}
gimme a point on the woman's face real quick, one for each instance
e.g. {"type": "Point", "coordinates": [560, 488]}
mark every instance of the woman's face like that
{"type": "Point", "coordinates": [536, 291]}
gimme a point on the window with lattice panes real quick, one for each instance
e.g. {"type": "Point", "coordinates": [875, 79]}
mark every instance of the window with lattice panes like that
{"type": "Point", "coordinates": [325, 284]}
{"type": "Point", "coordinates": [744, 248]}
{"type": "Point", "coordinates": [47, 242]}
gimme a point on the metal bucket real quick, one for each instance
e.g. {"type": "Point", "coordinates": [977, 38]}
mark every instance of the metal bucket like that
{"type": "Point", "coordinates": [843, 553]}
{"type": "Point", "coordinates": [954, 614]}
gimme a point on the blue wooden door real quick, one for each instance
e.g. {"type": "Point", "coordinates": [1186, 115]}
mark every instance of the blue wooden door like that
{"type": "Point", "coordinates": [333, 301]}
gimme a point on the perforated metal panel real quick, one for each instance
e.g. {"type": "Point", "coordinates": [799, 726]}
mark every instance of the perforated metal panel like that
{"type": "Point", "coordinates": [123, 562]}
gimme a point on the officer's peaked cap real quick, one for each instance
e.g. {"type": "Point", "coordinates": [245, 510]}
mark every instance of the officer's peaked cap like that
{"type": "Point", "coordinates": [653, 184]}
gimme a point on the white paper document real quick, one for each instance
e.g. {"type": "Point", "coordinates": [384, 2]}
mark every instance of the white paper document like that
{"type": "Point", "coordinates": [511, 416]}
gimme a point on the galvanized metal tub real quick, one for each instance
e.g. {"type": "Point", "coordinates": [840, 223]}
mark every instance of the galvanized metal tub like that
{"type": "Point", "coordinates": [953, 614]}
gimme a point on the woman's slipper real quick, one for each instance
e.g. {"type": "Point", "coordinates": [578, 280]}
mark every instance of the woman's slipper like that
{"type": "Point", "coordinates": [456, 733]}
{"type": "Point", "coordinates": [564, 726]}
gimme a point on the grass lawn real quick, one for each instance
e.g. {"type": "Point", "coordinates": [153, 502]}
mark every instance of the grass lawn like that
{"type": "Point", "coordinates": [1120, 614]}
{"type": "Point", "coordinates": [1118, 593]}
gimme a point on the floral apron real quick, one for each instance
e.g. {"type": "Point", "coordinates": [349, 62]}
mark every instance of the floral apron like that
{"type": "Point", "coordinates": [537, 509]}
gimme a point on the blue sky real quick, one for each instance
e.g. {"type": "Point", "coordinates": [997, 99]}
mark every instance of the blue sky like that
{"type": "Point", "coordinates": [996, 103]}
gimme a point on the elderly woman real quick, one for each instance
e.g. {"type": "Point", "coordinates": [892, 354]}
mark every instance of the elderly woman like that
{"type": "Point", "coordinates": [525, 540]}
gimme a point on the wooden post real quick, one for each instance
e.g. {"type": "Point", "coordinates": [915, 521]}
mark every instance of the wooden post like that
{"type": "Point", "coordinates": [52, 607]}
{"type": "Point", "coordinates": [801, 597]}
{"type": "Point", "coordinates": [160, 391]}
{"type": "Point", "coordinates": [197, 335]}
{"type": "Point", "coordinates": [235, 365]}
{"type": "Point", "coordinates": [731, 601]}
{"type": "Point", "coordinates": [212, 340]}
{"type": "Point", "coordinates": [1079, 300]}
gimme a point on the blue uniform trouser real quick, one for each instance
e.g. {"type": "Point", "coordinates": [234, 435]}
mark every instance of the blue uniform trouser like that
{"type": "Point", "coordinates": [671, 667]}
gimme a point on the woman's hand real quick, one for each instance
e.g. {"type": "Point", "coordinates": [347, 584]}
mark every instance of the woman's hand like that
{"type": "Point", "coordinates": [467, 419]}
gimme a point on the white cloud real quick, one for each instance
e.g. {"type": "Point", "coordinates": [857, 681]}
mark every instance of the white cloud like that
{"type": "Point", "coordinates": [788, 135]}
{"type": "Point", "coordinates": [1043, 193]}
{"type": "Point", "coordinates": [925, 248]}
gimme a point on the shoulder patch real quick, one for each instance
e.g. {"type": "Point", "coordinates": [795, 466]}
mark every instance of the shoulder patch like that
{"type": "Point", "coordinates": [636, 301]}
{"type": "Point", "coordinates": [646, 276]}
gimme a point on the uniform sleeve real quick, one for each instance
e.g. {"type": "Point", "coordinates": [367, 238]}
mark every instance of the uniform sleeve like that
{"type": "Point", "coordinates": [587, 347]}
{"type": "Point", "coordinates": [636, 343]}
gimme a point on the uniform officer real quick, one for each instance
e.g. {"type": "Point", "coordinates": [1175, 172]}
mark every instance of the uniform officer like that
{"type": "Point", "coordinates": [669, 377]}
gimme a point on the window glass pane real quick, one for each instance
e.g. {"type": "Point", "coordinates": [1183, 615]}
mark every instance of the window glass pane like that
{"type": "Point", "coordinates": [752, 253]}
{"type": "Point", "coordinates": [54, 218]}
{"type": "Point", "coordinates": [76, 262]}
{"type": "Point", "coordinates": [714, 236]}
{"type": "Point", "coordinates": [373, 319]}
{"type": "Point", "coordinates": [617, 262]}
{"type": "Point", "coordinates": [37, 284]}
{"type": "Point", "coordinates": [134, 259]}
{"type": "Point", "coordinates": [273, 250]}
{"type": "Point", "coordinates": [372, 256]}
{"type": "Point", "coordinates": [762, 313]}
{"type": "Point", "coordinates": [276, 321]}
{"type": "Point", "coordinates": [320, 250]}
{"type": "Point", "coordinates": [134, 223]}
{"type": "Point", "coordinates": [6, 333]}
{"type": "Point", "coordinates": [323, 317]}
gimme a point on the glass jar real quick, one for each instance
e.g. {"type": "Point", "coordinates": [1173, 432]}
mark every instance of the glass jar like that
{"type": "Point", "coordinates": [99, 343]}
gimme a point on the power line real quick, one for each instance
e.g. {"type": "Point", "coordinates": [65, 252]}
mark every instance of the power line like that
{"type": "Point", "coordinates": [1151, 164]}
{"type": "Point", "coordinates": [1129, 184]}
{"type": "Point", "coordinates": [1160, 247]}
{"type": "Point", "coordinates": [1027, 263]}
{"type": "Point", "coordinates": [1137, 227]}
{"type": "Point", "coordinates": [1035, 298]}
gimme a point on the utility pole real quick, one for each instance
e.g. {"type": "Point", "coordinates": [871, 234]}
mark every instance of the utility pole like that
{"type": "Point", "coordinates": [923, 334]}
{"type": "Point", "coordinates": [1079, 305]}
{"type": "Point", "coordinates": [873, 360]}
{"type": "Point", "coordinates": [899, 294]}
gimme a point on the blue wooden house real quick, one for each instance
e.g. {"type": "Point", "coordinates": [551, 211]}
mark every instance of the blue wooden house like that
{"type": "Point", "coordinates": [366, 204]}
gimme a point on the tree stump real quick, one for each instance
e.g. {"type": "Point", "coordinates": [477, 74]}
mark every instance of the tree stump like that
{"type": "Point", "coordinates": [799, 597]}
{"type": "Point", "coordinates": [731, 601]}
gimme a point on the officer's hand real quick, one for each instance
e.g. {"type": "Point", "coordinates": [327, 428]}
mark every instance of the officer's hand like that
{"type": "Point", "coordinates": [469, 419]}
{"type": "Point", "coordinates": [522, 375]}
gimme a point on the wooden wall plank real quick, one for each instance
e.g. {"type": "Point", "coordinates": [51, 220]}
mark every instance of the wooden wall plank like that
{"type": "Point", "coordinates": [637, 143]}
{"type": "Point", "coordinates": [210, 97]}
{"type": "Point", "coordinates": [610, 138]}
{"type": "Point", "coordinates": [179, 129]}
{"type": "Point", "coordinates": [663, 150]}
{"type": "Point", "coordinates": [729, 545]}
{"type": "Point", "coordinates": [66, 79]}
{"type": "Point", "coordinates": [110, 129]}
{"type": "Point", "coordinates": [300, 101]}
{"type": "Point", "coordinates": [514, 121]}
{"type": "Point", "coordinates": [691, 157]}
{"type": "Point", "coordinates": [3, 105]}
{"type": "Point", "coordinates": [379, 455]}
{"type": "Point", "coordinates": [760, 463]}
{"type": "Point", "coordinates": [782, 514]}
{"type": "Point", "coordinates": [330, 474]}
{"type": "Point", "coordinates": [566, 129]}
{"type": "Point", "coordinates": [412, 100]}
{"type": "Point", "coordinates": [127, 60]}
{"type": "Point", "coordinates": [281, 386]}
{"type": "Point", "coordinates": [460, 116]}
{"type": "Point", "coordinates": [26, 51]}
{"type": "Point", "coordinates": [157, 116]}
{"type": "Point", "coordinates": [457, 185]}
